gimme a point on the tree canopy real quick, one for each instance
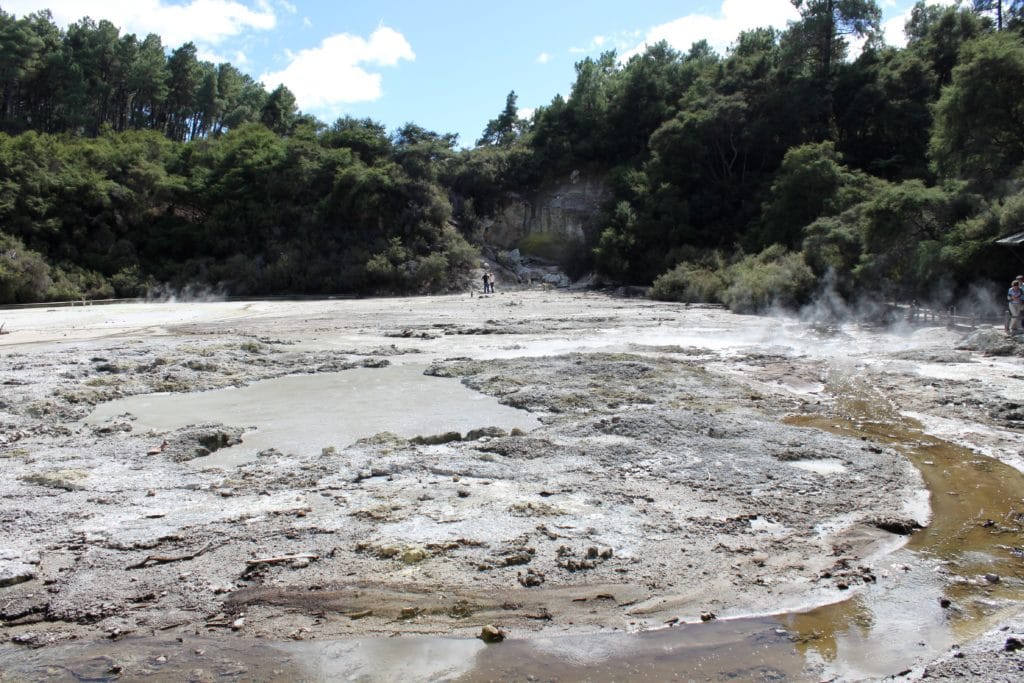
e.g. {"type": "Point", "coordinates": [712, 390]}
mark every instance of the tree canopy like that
{"type": "Point", "coordinates": [805, 154]}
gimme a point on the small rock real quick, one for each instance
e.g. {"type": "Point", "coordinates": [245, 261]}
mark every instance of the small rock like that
{"type": "Point", "coordinates": [68, 480]}
{"type": "Point", "coordinates": [360, 615]}
{"type": "Point", "coordinates": [436, 439]}
{"type": "Point", "coordinates": [1013, 644]}
{"type": "Point", "coordinates": [521, 557]}
{"type": "Point", "coordinates": [238, 623]}
{"type": "Point", "coordinates": [491, 634]}
{"type": "Point", "coordinates": [944, 603]}
{"type": "Point", "coordinates": [486, 432]}
{"type": "Point", "coordinates": [897, 525]}
{"type": "Point", "coordinates": [707, 616]}
{"type": "Point", "coordinates": [409, 612]}
{"type": "Point", "coordinates": [13, 572]}
{"type": "Point", "coordinates": [531, 578]}
{"type": "Point", "coordinates": [155, 450]}
{"type": "Point", "coordinates": [413, 554]}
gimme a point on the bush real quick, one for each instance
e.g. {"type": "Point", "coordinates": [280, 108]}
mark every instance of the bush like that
{"type": "Point", "coordinates": [430, 272]}
{"type": "Point", "coordinates": [460, 254]}
{"type": "Point", "coordinates": [775, 277]}
{"type": "Point", "coordinates": [238, 274]}
{"type": "Point", "coordinates": [129, 282]}
{"type": "Point", "coordinates": [24, 274]}
{"type": "Point", "coordinates": [690, 283]}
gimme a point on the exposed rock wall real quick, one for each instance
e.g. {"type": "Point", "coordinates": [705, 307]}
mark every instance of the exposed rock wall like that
{"type": "Point", "coordinates": [566, 209]}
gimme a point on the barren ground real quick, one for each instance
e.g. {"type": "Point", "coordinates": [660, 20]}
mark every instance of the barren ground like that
{"type": "Point", "coordinates": [661, 484]}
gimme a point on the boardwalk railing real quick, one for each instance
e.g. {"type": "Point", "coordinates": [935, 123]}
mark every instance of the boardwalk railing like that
{"type": "Point", "coordinates": [950, 317]}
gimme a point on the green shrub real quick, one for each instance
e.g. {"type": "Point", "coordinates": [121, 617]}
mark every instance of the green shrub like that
{"type": "Point", "coordinates": [460, 254]}
{"type": "Point", "coordinates": [431, 272]}
{"type": "Point", "coordinates": [690, 283]}
{"type": "Point", "coordinates": [379, 270]}
{"type": "Point", "coordinates": [24, 274]}
{"type": "Point", "coordinates": [239, 274]}
{"type": "Point", "coordinates": [774, 277]}
{"type": "Point", "coordinates": [129, 282]}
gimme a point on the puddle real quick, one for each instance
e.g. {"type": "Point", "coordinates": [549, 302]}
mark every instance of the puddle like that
{"type": "Point", "coordinates": [306, 413]}
{"type": "Point", "coordinates": [823, 467]}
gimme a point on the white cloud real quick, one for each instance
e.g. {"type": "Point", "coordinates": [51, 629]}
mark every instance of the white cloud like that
{"type": "Point", "coordinates": [596, 43]}
{"type": "Point", "coordinates": [204, 54]}
{"type": "Point", "coordinates": [334, 74]}
{"type": "Point", "coordinates": [200, 21]}
{"type": "Point", "coordinates": [543, 58]}
{"type": "Point", "coordinates": [892, 29]}
{"type": "Point", "coordinates": [722, 30]}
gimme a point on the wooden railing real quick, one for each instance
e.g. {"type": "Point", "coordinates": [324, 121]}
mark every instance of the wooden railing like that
{"type": "Point", "coordinates": [950, 317]}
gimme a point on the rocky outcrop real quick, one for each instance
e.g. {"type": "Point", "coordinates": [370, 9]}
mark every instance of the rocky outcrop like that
{"type": "Point", "coordinates": [565, 210]}
{"type": "Point", "coordinates": [990, 341]}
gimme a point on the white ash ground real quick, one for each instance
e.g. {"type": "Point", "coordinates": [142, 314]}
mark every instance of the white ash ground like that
{"type": "Point", "coordinates": [662, 484]}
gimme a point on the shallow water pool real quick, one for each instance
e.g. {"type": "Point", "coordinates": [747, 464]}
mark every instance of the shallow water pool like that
{"type": "Point", "coordinates": [307, 413]}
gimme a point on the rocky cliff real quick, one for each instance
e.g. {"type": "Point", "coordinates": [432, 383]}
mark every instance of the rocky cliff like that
{"type": "Point", "coordinates": [563, 212]}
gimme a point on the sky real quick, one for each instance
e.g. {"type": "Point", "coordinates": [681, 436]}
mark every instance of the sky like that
{"type": "Point", "coordinates": [445, 65]}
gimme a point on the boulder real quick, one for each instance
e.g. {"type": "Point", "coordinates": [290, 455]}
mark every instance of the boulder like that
{"type": "Point", "coordinates": [491, 634]}
{"type": "Point", "coordinates": [990, 341]}
{"type": "Point", "coordinates": [16, 567]}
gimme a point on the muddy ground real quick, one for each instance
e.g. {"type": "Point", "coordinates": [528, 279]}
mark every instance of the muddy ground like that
{"type": "Point", "coordinates": [662, 484]}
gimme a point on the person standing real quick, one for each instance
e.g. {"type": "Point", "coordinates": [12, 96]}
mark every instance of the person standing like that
{"type": "Point", "coordinates": [1014, 299]}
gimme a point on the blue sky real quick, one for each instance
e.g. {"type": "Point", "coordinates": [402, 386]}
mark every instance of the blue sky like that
{"type": "Point", "coordinates": [446, 65]}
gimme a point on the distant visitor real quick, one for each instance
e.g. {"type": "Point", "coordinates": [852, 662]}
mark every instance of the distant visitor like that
{"type": "Point", "coordinates": [1014, 298]}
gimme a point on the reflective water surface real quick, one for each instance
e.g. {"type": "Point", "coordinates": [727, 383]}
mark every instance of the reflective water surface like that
{"type": "Point", "coordinates": [306, 413]}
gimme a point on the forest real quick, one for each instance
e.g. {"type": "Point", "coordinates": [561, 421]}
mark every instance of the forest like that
{"type": "Point", "coordinates": [756, 178]}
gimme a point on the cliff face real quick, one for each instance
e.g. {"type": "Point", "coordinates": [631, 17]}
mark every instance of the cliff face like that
{"type": "Point", "coordinates": [565, 212]}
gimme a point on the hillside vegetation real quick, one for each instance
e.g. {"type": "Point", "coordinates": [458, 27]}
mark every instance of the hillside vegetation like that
{"type": "Point", "coordinates": [754, 178]}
